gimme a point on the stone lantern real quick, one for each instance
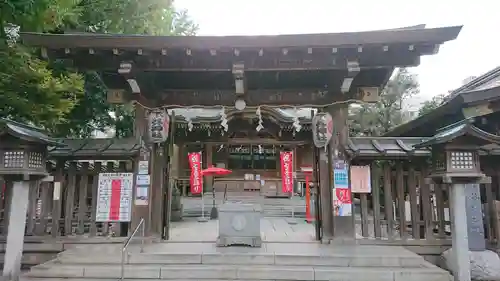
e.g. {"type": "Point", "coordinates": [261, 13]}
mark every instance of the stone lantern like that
{"type": "Point", "coordinates": [455, 162]}
{"type": "Point", "coordinates": [23, 156]}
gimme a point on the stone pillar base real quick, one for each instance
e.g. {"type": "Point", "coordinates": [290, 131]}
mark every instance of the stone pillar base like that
{"type": "Point", "coordinates": [15, 229]}
{"type": "Point", "coordinates": [343, 228]}
{"type": "Point", "coordinates": [484, 265]}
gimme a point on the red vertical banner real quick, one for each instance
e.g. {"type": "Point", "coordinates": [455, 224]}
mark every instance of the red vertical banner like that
{"type": "Point", "coordinates": [196, 179]}
{"type": "Point", "coordinates": [287, 171]}
{"type": "Point", "coordinates": [116, 194]}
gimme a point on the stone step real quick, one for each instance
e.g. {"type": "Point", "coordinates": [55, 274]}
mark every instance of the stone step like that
{"type": "Point", "coordinates": [215, 258]}
{"type": "Point", "coordinates": [236, 272]}
{"type": "Point", "coordinates": [271, 214]}
{"type": "Point", "coordinates": [128, 279]}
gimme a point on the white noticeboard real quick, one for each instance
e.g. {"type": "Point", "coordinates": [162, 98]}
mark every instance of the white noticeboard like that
{"type": "Point", "coordinates": [143, 180]}
{"type": "Point", "coordinates": [114, 197]}
{"type": "Point", "coordinates": [143, 168]}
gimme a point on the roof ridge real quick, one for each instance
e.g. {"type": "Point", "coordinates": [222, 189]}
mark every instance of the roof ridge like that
{"type": "Point", "coordinates": [23, 125]}
{"type": "Point", "coordinates": [478, 81]}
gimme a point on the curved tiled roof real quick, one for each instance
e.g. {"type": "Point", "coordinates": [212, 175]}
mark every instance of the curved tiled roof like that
{"type": "Point", "coordinates": [26, 132]}
{"type": "Point", "coordinates": [482, 89]}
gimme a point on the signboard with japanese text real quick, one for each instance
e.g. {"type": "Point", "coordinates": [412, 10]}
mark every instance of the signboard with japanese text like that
{"type": "Point", "coordinates": [287, 171]}
{"type": "Point", "coordinates": [114, 197]}
{"type": "Point", "coordinates": [196, 179]}
{"type": "Point", "coordinates": [360, 179]}
{"type": "Point", "coordinates": [342, 197]}
{"type": "Point", "coordinates": [143, 168]}
{"type": "Point", "coordinates": [142, 183]}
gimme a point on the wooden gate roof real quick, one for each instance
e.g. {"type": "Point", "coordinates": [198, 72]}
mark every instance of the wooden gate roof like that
{"type": "Point", "coordinates": [296, 69]}
{"type": "Point", "coordinates": [109, 41]}
{"type": "Point", "coordinates": [385, 147]}
{"type": "Point", "coordinates": [395, 147]}
{"type": "Point", "coordinates": [357, 147]}
{"type": "Point", "coordinates": [96, 149]}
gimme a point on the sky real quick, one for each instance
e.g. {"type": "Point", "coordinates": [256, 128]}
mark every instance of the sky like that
{"type": "Point", "coordinates": [474, 52]}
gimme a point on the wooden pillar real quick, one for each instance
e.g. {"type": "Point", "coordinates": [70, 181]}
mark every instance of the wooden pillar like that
{"type": "Point", "coordinates": [32, 204]}
{"type": "Point", "coordinates": [141, 211]}
{"type": "Point", "coordinates": [182, 158]}
{"type": "Point", "coordinates": [57, 197]}
{"type": "Point", "coordinates": [375, 175]}
{"type": "Point", "coordinates": [82, 198]}
{"type": "Point", "coordinates": [209, 179]}
{"type": "Point", "coordinates": [389, 214]}
{"type": "Point", "coordinates": [175, 160]}
{"type": "Point", "coordinates": [343, 225]}
{"type": "Point", "coordinates": [325, 197]}
{"type": "Point", "coordinates": [70, 189]}
{"type": "Point", "coordinates": [157, 186]}
{"type": "Point", "coordinates": [95, 194]}
{"type": "Point", "coordinates": [46, 198]}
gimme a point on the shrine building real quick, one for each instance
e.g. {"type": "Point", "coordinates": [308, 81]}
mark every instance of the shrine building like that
{"type": "Point", "coordinates": [241, 100]}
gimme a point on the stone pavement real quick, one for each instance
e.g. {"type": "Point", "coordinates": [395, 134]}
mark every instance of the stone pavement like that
{"type": "Point", "coordinates": [272, 207]}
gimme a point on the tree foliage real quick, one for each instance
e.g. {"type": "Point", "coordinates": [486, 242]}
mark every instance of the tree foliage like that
{"type": "Point", "coordinates": [377, 119]}
{"type": "Point", "coordinates": [29, 90]}
{"type": "Point", "coordinates": [67, 103]}
{"type": "Point", "coordinates": [151, 17]}
{"type": "Point", "coordinates": [431, 104]}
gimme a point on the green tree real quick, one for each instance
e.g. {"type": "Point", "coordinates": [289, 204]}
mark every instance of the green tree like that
{"type": "Point", "coordinates": [66, 103]}
{"type": "Point", "coordinates": [151, 17]}
{"type": "Point", "coordinates": [377, 119]}
{"type": "Point", "coordinates": [30, 91]}
{"type": "Point", "coordinates": [431, 104]}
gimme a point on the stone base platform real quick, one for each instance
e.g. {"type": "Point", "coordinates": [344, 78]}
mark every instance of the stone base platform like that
{"type": "Point", "coordinates": [273, 261]}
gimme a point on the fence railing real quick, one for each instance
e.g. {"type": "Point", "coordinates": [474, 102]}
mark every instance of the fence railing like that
{"type": "Point", "coordinates": [140, 227]}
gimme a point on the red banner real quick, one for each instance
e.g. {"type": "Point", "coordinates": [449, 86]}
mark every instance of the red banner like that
{"type": "Point", "coordinates": [287, 171]}
{"type": "Point", "coordinates": [114, 208]}
{"type": "Point", "coordinates": [196, 177]}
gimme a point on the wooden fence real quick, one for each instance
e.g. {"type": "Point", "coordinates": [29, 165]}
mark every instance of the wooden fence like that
{"type": "Point", "coordinates": [401, 207]}
{"type": "Point", "coordinates": [74, 212]}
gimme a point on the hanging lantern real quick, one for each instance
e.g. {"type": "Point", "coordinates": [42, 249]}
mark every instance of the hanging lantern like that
{"type": "Point", "coordinates": [322, 128]}
{"type": "Point", "coordinates": [158, 124]}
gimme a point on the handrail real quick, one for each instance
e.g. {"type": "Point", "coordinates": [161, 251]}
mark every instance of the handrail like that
{"type": "Point", "coordinates": [127, 242]}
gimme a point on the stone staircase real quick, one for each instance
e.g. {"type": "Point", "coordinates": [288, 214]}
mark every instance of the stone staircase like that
{"type": "Point", "coordinates": [271, 207]}
{"type": "Point", "coordinates": [275, 261]}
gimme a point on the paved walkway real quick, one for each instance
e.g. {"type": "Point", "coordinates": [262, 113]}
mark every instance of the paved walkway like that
{"type": "Point", "coordinates": [272, 230]}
